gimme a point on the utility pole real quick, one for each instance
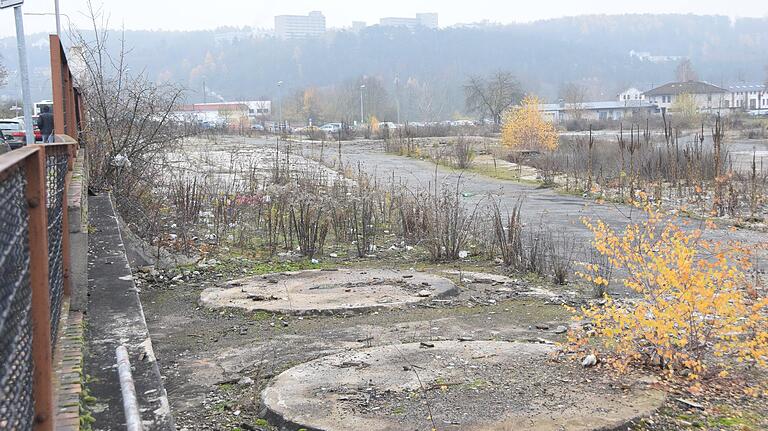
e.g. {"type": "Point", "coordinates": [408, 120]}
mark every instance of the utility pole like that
{"type": "Point", "coordinates": [280, 105]}
{"type": "Point", "coordinates": [397, 97]}
{"type": "Point", "coordinates": [362, 117]}
{"type": "Point", "coordinates": [58, 17]}
{"type": "Point", "coordinates": [23, 66]}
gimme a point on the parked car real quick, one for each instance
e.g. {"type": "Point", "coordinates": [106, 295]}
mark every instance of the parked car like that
{"type": "Point", "coordinates": [35, 129]}
{"type": "Point", "coordinates": [388, 124]}
{"type": "Point", "coordinates": [257, 127]}
{"type": "Point", "coordinates": [331, 127]}
{"type": "Point", "coordinates": [4, 147]}
{"type": "Point", "coordinates": [13, 132]}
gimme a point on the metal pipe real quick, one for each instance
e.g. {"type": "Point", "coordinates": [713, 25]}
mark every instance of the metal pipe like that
{"type": "Point", "coordinates": [128, 390]}
{"type": "Point", "coordinates": [24, 72]}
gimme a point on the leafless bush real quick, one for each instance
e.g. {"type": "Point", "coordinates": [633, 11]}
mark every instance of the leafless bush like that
{"type": "Point", "coordinates": [412, 214]}
{"type": "Point", "coordinates": [508, 233]}
{"type": "Point", "coordinates": [462, 153]}
{"type": "Point", "coordinates": [310, 224]}
{"type": "Point", "coordinates": [535, 250]}
{"type": "Point", "coordinates": [448, 223]}
{"type": "Point", "coordinates": [401, 141]}
{"type": "Point", "coordinates": [561, 251]}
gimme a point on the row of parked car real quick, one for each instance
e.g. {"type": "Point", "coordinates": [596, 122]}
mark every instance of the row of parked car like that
{"type": "Point", "coordinates": [332, 128]}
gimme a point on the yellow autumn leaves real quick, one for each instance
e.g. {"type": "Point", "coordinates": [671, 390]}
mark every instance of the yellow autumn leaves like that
{"type": "Point", "coordinates": [525, 128]}
{"type": "Point", "coordinates": [696, 303]}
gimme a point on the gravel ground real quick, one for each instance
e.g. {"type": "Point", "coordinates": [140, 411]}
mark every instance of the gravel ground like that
{"type": "Point", "coordinates": [216, 363]}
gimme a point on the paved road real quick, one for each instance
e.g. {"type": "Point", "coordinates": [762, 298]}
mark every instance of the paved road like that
{"type": "Point", "coordinates": [561, 213]}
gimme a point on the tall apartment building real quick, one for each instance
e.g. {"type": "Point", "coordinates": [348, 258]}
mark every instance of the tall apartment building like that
{"type": "Point", "coordinates": [300, 26]}
{"type": "Point", "coordinates": [428, 20]}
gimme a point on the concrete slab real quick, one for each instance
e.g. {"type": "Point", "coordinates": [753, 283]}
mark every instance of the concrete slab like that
{"type": "Point", "coordinates": [322, 292]}
{"type": "Point", "coordinates": [478, 385]}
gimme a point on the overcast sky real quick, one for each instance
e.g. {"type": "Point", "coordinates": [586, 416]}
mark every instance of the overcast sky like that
{"type": "Point", "coordinates": [203, 14]}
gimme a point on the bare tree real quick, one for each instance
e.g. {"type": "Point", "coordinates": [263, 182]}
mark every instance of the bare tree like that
{"type": "Point", "coordinates": [130, 116]}
{"type": "Point", "coordinates": [574, 96]}
{"type": "Point", "coordinates": [493, 95]}
{"type": "Point", "coordinates": [425, 99]}
{"type": "Point", "coordinates": [685, 72]}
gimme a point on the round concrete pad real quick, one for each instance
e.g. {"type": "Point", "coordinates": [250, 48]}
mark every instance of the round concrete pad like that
{"type": "Point", "coordinates": [478, 385]}
{"type": "Point", "coordinates": [317, 291]}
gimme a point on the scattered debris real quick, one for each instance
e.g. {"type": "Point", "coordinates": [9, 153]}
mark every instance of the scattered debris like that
{"type": "Point", "coordinates": [689, 403]}
{"type": "Point", "coordinates": [589, 361]}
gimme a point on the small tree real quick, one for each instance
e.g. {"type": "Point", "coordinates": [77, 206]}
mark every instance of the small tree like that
{"type": "Point", "coordinates": [525, 128]}
{"type": "Point", "coordinates": [686, 109]}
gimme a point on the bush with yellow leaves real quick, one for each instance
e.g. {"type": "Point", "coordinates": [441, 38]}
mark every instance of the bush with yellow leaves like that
{"type": "Point", "coordinates": [525, 128]}
{"type": "Point", "coordinates": [697, 309]}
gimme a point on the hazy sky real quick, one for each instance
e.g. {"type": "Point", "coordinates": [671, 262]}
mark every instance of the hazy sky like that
{"type": "Point", "coordinates": [201, 14]}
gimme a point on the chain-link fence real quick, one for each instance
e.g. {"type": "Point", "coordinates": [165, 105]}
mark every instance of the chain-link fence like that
{"type": "Point", "coordinates": [16, 404]}
{"type": "Point", "coordinates": [56, 161]}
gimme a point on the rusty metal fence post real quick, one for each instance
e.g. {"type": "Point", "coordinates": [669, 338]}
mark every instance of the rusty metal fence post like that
{"type": "Point", "coordinates": [67, 100]}
{"type": "Point", "coordinates": [35, 168]}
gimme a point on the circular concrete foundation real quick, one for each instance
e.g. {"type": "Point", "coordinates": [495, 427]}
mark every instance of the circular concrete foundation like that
{"type": "Point", "coordinates": [317, 291]}
{"type": "Point", "coordinates": [479, 385]}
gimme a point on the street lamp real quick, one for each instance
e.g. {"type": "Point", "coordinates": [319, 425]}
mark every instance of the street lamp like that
{"type": "Point", "coordinates": [56, 14]}
{"type": "Point", "coordinates": [397, 97]}
{"type": "Point", "coordinates": [362, 117]}
{"type": "Point", "coordinates": [280, 105]}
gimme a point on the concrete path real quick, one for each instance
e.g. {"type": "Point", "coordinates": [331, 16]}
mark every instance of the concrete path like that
{"type": "Point", "coordinates": [115, 317]}
{"type": "Point", "coordinates": [556, 210]}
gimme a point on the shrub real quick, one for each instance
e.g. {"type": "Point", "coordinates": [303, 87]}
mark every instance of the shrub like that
{"type": "Point", "coordinates": [462, 153]}
{"type": "Point", "coordinates": [696, 303]}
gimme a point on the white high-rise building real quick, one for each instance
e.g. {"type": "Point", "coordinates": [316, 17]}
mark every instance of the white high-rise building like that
{"type": "Point", "coordinates": [300, 26]}
{"type": "Point", "coordinates": [428, 20]}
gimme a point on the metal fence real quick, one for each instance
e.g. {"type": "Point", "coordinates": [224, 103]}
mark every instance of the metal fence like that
{"type": "Point", "coordinates": [34, 259]}
{"type": "Point", "coordinates": [56, 164]}
{"type": "Point", "coordinates": [16, 406]}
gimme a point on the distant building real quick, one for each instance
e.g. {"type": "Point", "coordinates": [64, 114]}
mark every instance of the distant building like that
{"type": "Point", "coordinates": [226, 113]}
{"type": "Point", "coordinates": [232, 36]}
{"type": "Point", "coordinates": [631, 93]}
{"type": "Point", "coordinates": [647, 57]}
{"type": "Point", "coordinates": [357, 26]}
{"type": "Point", "coordinates": [300, 26]}
{"type": "Point", "coordinates": [428, 20]}
{"type": "Point", "coordinates": [707, 97]}
{"type": "Point", "coordinates": [595, 111]}
{"type": "Point", "coordinates": [747, 97]}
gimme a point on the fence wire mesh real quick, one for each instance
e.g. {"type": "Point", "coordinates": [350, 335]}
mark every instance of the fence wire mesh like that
{"type": "Point", "coordinates": [16, 404]}
{"type": "Point", "coordinates": [56, 170]}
